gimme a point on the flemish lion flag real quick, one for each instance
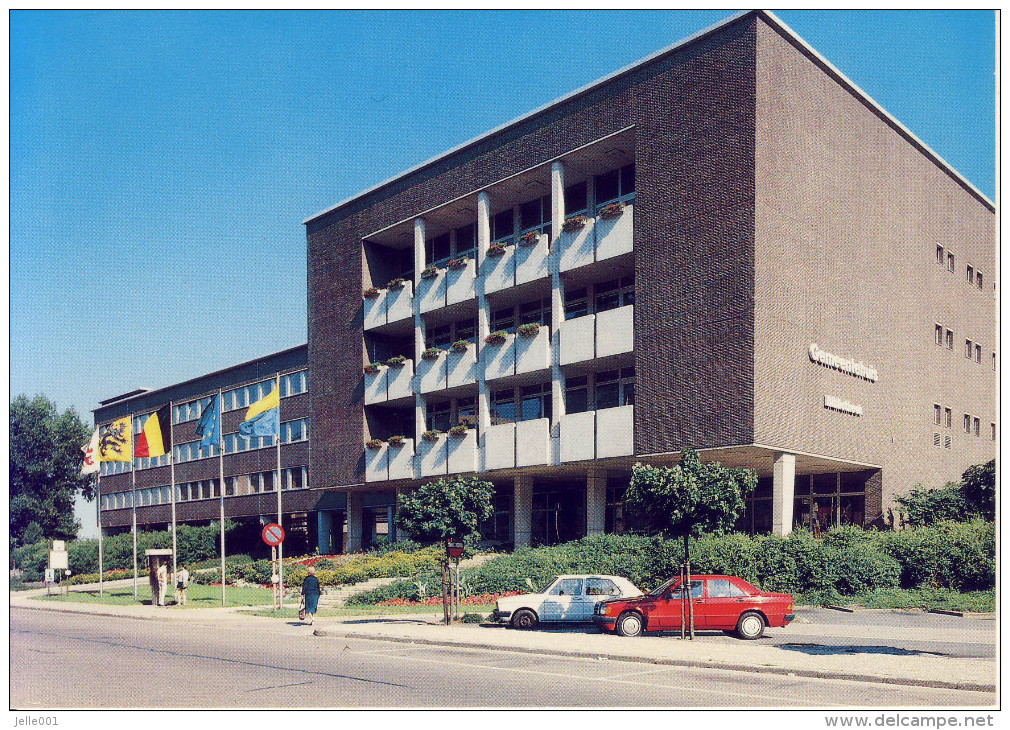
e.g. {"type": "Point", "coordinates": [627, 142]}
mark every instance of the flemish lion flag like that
{"type": "Point", "coordinates": [90, 465]}
{"type": "Point", "coordinates": [155, 437]}
{"type": "Point", "coordinates": [115, 442]}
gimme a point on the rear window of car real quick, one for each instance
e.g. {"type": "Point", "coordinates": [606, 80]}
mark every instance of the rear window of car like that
{"type": "Point", "coordinates": [722, 588]}
{"type": "Point", "coordinates": [601, 587]}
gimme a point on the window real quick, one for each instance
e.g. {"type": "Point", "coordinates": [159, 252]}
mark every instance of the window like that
{"type": "Point", "coordinates": [978, 353]}
{"type": "Point", "coordinates": [967, 423]}
{"type": "Point", "coordinates": [293, 431]}
{"type": "Point", "coordinates": [967, 349]}
{"type": "Point", "coordinates": [939, 255]}
{"type": "Point", "coordinates": [535, 215]}
{"type": "Point", "coordinates": [978, 278]}
{"type": "Point", "coordinates": [439, 336]}
{"type": "Point", "coordinates": [577, 394]}
{"type": "Point", "coordinates": [722, 588]}
{"type": "Point", "coordinates": [192, 451]}
{"type": "Point", "coordinates": [615, 185]}
{"type": "Point", "coordinates": [503, 319]}
{"type": "Point", "coordinates": [971, 275]}
{"type": "Point", "coordinates": [992, 431]}
{"type": "Point", "coordinates": [615, 293]}
{"type": "Point", "coordinates": [466, 239]}
{"type": "Point", "coordinates": [946, 442]}
{"type": "Point", "coordinates": [467, 330]}
{"type": "Point", "coordinates": [615, 388]}
{"type": "Point", "coordinates": [939, 335]}
{"type": "Point", "coordinates": [576, 303]}
{"type": "Point", "coordinates": [567, 587]}
{"type": "Point", "coordinates": [247, 395]}
{"type": "Point", "coordinates": [950, 340]}
{"type": "Point", "coordinates": [535, 402]}
{"type": "Point", "coordinates": [437, 418]}
{"type": "Point", "coordinates": [936, 413]}
{"type": "Point", "coordinates": [575, 200]}
{"type": "Point", "coordinates": [294, 383]}
{"type": "Point", "coordinates": [189, 411]}
{"type": "Point", "coordinates": [503, 407]}
{"type": "Point", "coordinates": [466, 412]}
{"type": "Point", "coordinates": [948, 417]}
{"type": "Point", "coordinates": [696, 589]}
{"type": "Point", "coordinates": [601, 587]}
{"type": "Point", "coordinates": [536, 312]}
{"type": "Point", "coordinates": [977, 424]}
{"type": "Point", "coordinates": [436, 250]}
{"type": "Point", "coordinates": [950, 262]}
{"type": "Point", "coordinates": [502, 225]}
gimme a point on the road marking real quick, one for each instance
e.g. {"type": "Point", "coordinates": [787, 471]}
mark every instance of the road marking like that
{"type": "Point", "coordinates": [278, 686]}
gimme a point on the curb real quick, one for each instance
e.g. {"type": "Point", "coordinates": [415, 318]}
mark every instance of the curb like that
{"type": "Point", "coordinates": [82, 612]}
{"type": "Point", "coordinates": [816, 674]}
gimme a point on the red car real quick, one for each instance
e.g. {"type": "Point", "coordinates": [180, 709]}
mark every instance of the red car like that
{"type": "Point", "coordinates": [721, 603]}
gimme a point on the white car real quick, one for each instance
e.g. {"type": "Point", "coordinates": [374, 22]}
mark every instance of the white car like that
{"type": "Point", "coordinates": [566, 598]}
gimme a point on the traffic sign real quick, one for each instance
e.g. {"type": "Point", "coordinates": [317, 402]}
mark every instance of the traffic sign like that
{"type": "Point", "coordinates": [273, 534]}
{"type": "Point", "coordinates": [454, 549]}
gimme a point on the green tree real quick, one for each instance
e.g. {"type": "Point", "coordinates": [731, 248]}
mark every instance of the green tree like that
{"type": "Point", "coordinates": [928, 506]}
{"type": "Point", "coordinates": [978, 486]}
{"type": "Point", "coordinates": [45, 470]}
{"type": "Point", "coordinates": [445, 510]}
{"type": "Point", "coordinates": [688, 500]}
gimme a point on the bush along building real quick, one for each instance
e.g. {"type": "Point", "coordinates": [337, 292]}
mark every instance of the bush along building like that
{"type": "Point", "coordinates": [727, 246]}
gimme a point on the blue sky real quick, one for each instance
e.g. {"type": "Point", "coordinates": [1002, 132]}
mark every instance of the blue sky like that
{"type": "Point", "coordinates": [162, 162]}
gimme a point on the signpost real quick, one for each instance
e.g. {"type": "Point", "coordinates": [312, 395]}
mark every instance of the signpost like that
{"type": "Point", "coordinates": [454, 549]}
{"type": "Point", "coordinates": [273, 535]}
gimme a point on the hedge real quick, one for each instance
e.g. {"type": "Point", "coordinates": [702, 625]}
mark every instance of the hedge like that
{"type": "Point", "coordinates": [845, 561]}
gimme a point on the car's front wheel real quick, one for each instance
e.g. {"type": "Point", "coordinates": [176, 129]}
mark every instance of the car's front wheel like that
{"type": "Point", "coordinates": [750, 626]}
{"type": "Point", "coordinates": [524, 619]}
{"type": "Point", "coordinates": [630, 624]}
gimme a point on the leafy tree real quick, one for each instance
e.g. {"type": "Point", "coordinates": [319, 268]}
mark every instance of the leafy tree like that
{"type": "Point", "coordinates": [445, 510]}
{"type": "Point", "coordinates": [45, 470]}
{"type": "Point", "coordinates": [928, 506]}
{"type": "Point", "coordinates": [688, 500]}
{"type": "Point", "coordinates": [978, 486]}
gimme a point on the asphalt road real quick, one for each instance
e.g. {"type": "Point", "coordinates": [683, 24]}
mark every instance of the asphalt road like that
{"type": "Point", "coordinates": [61, 660]}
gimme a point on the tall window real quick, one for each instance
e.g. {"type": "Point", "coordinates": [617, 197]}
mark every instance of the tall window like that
{"type": "Point", "coordinates": [535, 402]}
{"type": "Point", "coordinates": [436, 250]}
{"type": "Point", "coordinates": [971, 275]}
{"type": "Point", "coordinates": [978, 353]}
{"type": "Point", "coordinates": [615, 293]}
{"type": "Point", "coordinates": [294, 383]}
{"type": "Point", "coordinates": [577, 394]}
{"type": "Point", "coordinates": [950, 262]}
{"type": "Point", "coordinates": [950, 340]}
{"type": "Point", "coordinates": [503, 319]}
{"type": "Point", "coordinates": [535, 215]}
{"type": "Point", "coordinates": [438, 416]}
{"type": "Point", "coordinates": [967, 423]}
{"type": "Point", "coordinates": [503, 407]}
{"type": "Point", "coordinates": [977, 425]}
{"type": "Point", "coordinates": [576, 202]}
{"type": "Point", "coordinates": [502, 226]}
{"type": "Point", "coordinates": [936, 413]}
{"type": "Point", "coordinates": [939, 255]}
{"type": "Point", "coordinates": [615, 185]}
{"type": "Point", "coordinates": [576, 302]}
{"type": "Point", "coordinates": [992, 431]}
{"type": "Point", "coordinates": [948, 417]}
{"type": "Point", "coordinates": [467, 330]}
{"type": "Point", "coordinates": [466, 240]}
{"type": "Point", "coordinates": [615, 388]}
{"type": "Point", "coordinates": [939, 335]}
{"type": "Point", "coordinates": [439, 336]}
{"type": "Point", "coordinates": [978, 279]}
{"type": "Point", "coordinates": [967, 349]}
{"type": "Point", "coordinates": [466, 412]}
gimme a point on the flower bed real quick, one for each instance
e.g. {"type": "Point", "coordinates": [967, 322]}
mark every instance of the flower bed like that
{"type": "Point", "coordinates": [432, 353]}
{"type": "Point", "coordinates": [497, 249]}
{"type": "Point", "coordinates": [397, 361]}
{"type": "Point", "coordinates": [496, 338]}
{"type": "Point", "coordinates": [483, 599]}
{"type": "Point", "coordinates": [429, 272]}
{"type": "Point", "coordinates": [397, 283]}
{"type": "Point", "coordinates": [611, 210]}
{"type": "Point", "coordinates": [460, 346]}
{"type": "Point", "coordinates": [528, 330]}
{"type": "Point", "coordinates": [116, 574]}
{"type": "Point", "coordinates": [529, 238]}
{"type": "Point", "coordinates": [371, 293]}
{"type": "Point", "coordinates": [396, 440]}
{"type": "Point", "coordinates": [574, 223]}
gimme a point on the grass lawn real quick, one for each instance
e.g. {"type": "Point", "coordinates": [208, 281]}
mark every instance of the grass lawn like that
{"type": "Point", "coordinates": [369, 611]}
{"type": "Point", "coordinates": [197, 596]}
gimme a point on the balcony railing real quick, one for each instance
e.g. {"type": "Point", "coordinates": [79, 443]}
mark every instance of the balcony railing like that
{"type": "Point", "coordinates": [598, 434]}
{"type": "Point", "coordinates": [388, 462]}
{"type": "Point", "coordinates": [389, 383]}
{"type": "Point", "coordinates": [599, 239]}
{"type": "Point", "coordinates": [608, 333]}
{"type": "Point", "coordinates": [531, 260]}
{"type": "Point", "coordinates": [431, 373]}
{"type": "Point", "coordinates": [500, 446]}
{"type": "Point", "coordinates": [518, 354]}
{"type": "Point", "coordinates": [463, 453]}
{"type": "Point", "coordinates": [533, 442]}
{"type": "Point", "coordinates": [499, 272]}
{"type": "Point", "coordinates": [390, 305]}
{"type": "Point", "coordinates": [459, 283]}
{"type": "Point", "coordinates": [433, 456]}
{"type": "Point", "coordinates": [461, 367]}
{"type": "Point", "coordinates": [431, 291]}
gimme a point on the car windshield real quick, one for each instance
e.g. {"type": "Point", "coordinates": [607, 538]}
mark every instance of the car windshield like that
{"type": "Point", "coordinates": [548, 585]}
{"type": "Point", "coordinates": [663, 588]}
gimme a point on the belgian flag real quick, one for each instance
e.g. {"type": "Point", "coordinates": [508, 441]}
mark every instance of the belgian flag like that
{"type": "Point", "coordinates": [156, 438]}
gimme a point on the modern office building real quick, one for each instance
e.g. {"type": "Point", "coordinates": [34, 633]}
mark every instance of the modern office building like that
{"type": "Point", "coordinates": [727, 246]}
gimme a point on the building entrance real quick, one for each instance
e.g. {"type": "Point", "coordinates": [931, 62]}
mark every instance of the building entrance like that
{"type": "Point", "coordinates": [559, 512]}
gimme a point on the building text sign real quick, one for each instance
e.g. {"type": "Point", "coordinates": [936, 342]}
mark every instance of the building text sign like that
{"type": "Point", "coordinates": [844, 364]}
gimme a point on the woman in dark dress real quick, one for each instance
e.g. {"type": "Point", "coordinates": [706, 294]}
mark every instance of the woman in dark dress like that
{"type": "Point", "coordinates": [310, 590]}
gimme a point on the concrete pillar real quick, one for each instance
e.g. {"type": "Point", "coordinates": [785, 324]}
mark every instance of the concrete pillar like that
{"type": "Point", "coordinates": [483, 326]}
{"type": "Point", "coordinates": [783, 491]}
{"type": "Point", "coordinates": [557, 308]}
{"type": "Point", "coordinates": [420, 425]}
{"type": "Point", "coordinates": [355, 521]}
{"type": "Point", "coordinates": [596, 502]}
{"type": "Point", "coordinates": [522, 511]}
{"type": "Point", "coordinates": [324, 531]}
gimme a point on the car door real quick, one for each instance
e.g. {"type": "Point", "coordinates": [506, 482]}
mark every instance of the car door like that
{"type": "Point", "coordinates": [598, 589]}
{"type": "Point", "coordinates": [557, 604]}
{"type": "Point", "coordinates": [725, 602]}
{"type": "Point", "coordinates": [668, 612]}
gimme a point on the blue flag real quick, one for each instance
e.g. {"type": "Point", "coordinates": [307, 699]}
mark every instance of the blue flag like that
{"type": "Point", "coordinates": [266, 423]}
{"type": "Point", "coordinates": [209, 427]}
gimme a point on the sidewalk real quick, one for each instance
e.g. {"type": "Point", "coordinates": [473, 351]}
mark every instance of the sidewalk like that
{"type": "Point", "coordinates": [708, 650]}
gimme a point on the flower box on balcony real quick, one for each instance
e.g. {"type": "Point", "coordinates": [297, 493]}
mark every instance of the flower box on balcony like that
{"type": "Point", "coordinates": [397, 361]}
{"type": "Point", "coordinates": [429, 272]}
{"type": "Point", "coordinates": [374, 444]}
{"type": "Point", "coordinates": [528, 330]}
{"type": "Point", "coordinates": [458, 431]}
{"type": "Point", "coordinates": [395, 440]}
{"type": "Point", "coordinates": [431, 435]}
{"type": "Point", "coordinates": [371, 293]}
{"type": "Point", "coordinates": [497, 249]}
{"type": "Point", "coordinates": [459, 262]}
{"type": "Point", "coordinates": [496, 338]}
{"type": "Point", "coordinates": [574, 223]}
{"type": "Point", "coordinates": [529, 238]}
{"type": "Point", "coordinates": [460, 346]}
{"type": "Point", "coordinates": [611, 210]}
{"type": "Point", "coordinates": [372, 368]}
{"type": "Point", "coordinates": [432, 353]}
{"type": "Point", "coordinates": [396, 284]}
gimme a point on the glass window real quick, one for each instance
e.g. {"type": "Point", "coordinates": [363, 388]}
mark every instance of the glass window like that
{"type": "Point", "coordinates": [967, 349]}
{"type": "Point", "coordinates": [992, 431]}
{"type": "Point", "coordinates": [535, 312]}
{"type": "Point", "coordinates": [576, 303]}
{"type": "Point", "coordinates": [535, 402]}
{"type": "Point", "coordinates": [503, 319]}
{"type": "Point", "coordinates": [439, 336]}
{"type": "Point", "coordinates": [723, 588]}
{"type": "Point", "coordinates": [615, 388]}
{"type": "Point", "coordinates": [950, 262]}
{"type": "Point", "coordinates": [601, 587]}
{"type": "Point", "coordinates": [503, 407]}
{"type": "Point", "coordinates": [628, 180]}
{"type": "Point", "coordinates": [575, 199]}
{"type": "Point", "coordinates": [467, 330]}
{"type": "Point", "coordinates": [967, 423]}
{"type": "Point", "coordinates": [503, 225]}
{"type": "Point", "coordinates": [977, 427]}
{"type": "Point", "coordinates": [615, 293]}
{"type": "Point", "coordinates": [437, 250]}
{"type": "Point", "coordinates": [950, 340]}
{"type": "Point", "coordinates": [939, 335]}
{"type": "Point", "coordinates": [696, 590]}
{"type": "Point", "coordinates": [466, 239]}
{"type": "Point", "coordinates": [438, 416]}
{"type": "Point", "coordinates": [576, 395]}
{"type": "Point", "coordinates": [978, 353]}
{"type": "Point", "coordinates": [936, 414]}
{"type": "Point", "coordinates": [948, 417]}
{"type": "Point", "coordinates": [567, 587]}
{"type": "Point", "coordinates": [971, 274]}
{"type": "Point", "coordinates": [939, 255]}
{"type": "Point", "coordinates": [978, 278]}
{"type": "Point", "coordinates": [466, 412]}
{"type": "Point", "coordinates": [608, 187]}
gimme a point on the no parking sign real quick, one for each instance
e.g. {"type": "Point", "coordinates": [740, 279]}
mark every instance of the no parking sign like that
{"type": "Point", "coordinates": [273, 534]}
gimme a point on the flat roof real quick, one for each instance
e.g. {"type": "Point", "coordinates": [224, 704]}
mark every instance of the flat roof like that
{"type": "Point", "coordinates": [772, 20]}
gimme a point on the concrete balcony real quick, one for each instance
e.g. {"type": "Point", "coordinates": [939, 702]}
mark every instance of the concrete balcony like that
{"type": "Point", "coordinates": [400, 303]}
{"type": "Point", "coordinates": [375, 386]}
{"type": "Point", "coordinates": [533, 354]}
{"type": "Point", "coordinates": [615, 432]}
{"type": "Point", "coordinates": [576, 248]}
{"type": "Point", "coordinates": [533, 442]}
{"type": "Point", "coordinates": [578, 339]}
{"type": "Point", "coordinates": [578, 436]}
{"type": "Point", "coordinates": [615, 331]}
{"type": "Point", "coordinates": [433, 457]}
{"type": "Point", "coordinates": [399, 381]}
{"type": "Point", "coordinates": [499, 360]}
{"type": "Point", "coordinates": [459, 283]}
{"type": "Point", "coordinates": [615, 236]}
{"type": "Point", "coordinates": [375, 310]}
{"type": "Point", "coordinates": [431, 291]}
{"type": "Point", "coordinates": [500, 447]}
{"type": "Point", "coordinates": [377, 464]}
{"type": "Point", "coordinates": [531, 260]}
{"type": "Point", "coordinates": [463, 453]}
{"type": "Point", "coordinates": [431, 373]}
{"type": "Point", "coordinates": [461, 367]}
{"type": "Point", "coordinates": [499, 272]}
{"type": "Point", "coordinates": [401, 460]}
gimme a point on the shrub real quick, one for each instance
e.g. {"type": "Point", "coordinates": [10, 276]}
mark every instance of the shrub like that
{"type": "Point", "coordinates": [396, 361]}
{"type": "Point", "coordinates": [432, 353]}
{"type": "Point", "coordinates": [371, 293]}
{"type": "Point", "coordinates": [574, 223]}
{"type": "Point", "coordinates": [471, 618]}
{"type": "Point", "coordinates": [458, 431]}
{"type": "Point", "coordinates": [928, 506]}
{"type": "Point", "coordinates": [956, 555]}
{"type": "Point", "coordinates": [431, 435]}
{"type": "Point", "coordinates": [528, 330]}
{"type": "Point", "coordinates": [460, 346]}
{"type": "Point", "coordinates": [497, 337]}
{"type": "Point", "coordinates": [429, 272]}
{"type": "Point", "coordinates": [396, 440]}
{"type": "Point", "coordinates": [374, 443]}
{"type": "Point", "coordinates": [529, 238]}
{"type": "Point", "coordinates": [611, 210]}
{"type": "Point", "coordinates": [396, 284]}
{"type": "Point", "coordinates": [497, 249]}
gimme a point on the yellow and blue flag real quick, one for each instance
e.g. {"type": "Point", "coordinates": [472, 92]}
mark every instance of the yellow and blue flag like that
{"type": "Point", "coordinates": [263, 416]}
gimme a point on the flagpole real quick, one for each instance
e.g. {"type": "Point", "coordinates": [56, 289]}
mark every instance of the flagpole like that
{"type": "Point", "coordinates": [220, 465]}
{"type": "Point", "coordinates": [280, 488]}
{"type": "Point", "coordinates": [133, 502]}
{"type": "Point", "coordinates": [98, 509]}
{"type": "Point", "coordinates": [171, 463]}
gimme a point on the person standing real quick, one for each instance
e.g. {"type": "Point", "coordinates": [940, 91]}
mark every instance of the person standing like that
{"type": "Point", "coordinates": [181, 584]}
{"type": "Point", "coordinates": [162, 584]}
{"type": "Point", "coordinates": [310, 592]}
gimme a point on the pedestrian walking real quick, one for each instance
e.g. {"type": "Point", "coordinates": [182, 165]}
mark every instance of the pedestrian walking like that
{"type": "Point", "coordinates": [162, 584]}
{"type": "Point", "coordinates": [310, 594]}
{"type": "Point", "coordinates": [181, 584]}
